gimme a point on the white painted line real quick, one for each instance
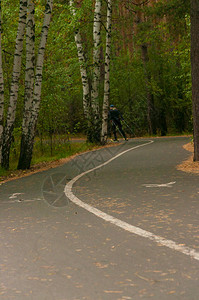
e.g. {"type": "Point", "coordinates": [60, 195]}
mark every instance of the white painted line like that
{"type": "Point", "coordinates": [15, 195]}
{"type": "Point", "coordinates": [126, 226]}
{"type": "Point", "coordinates": [20, 201]}
{"type": "Point", "coordinates": [169, 184]}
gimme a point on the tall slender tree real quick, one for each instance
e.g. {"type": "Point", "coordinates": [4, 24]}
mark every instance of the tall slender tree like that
{"type": "Point", "coordinates": [29, 77]}
{"type": "Point", "coordinates": [141, 19]}
{"type": "Point", "coordinates": [83, 69]}
{"type": "Point", "coordinates": [104, 133]}
{"type": "Point", "coordinates": [9, 126]}
{"type": "Point", "coordinates": [149, 95]}
{"type": "Point", "coordinates": [195, 73]}
{"type": "Point", "coordinates": [96, 70]}
{"type": "Point", "coordinates": [91, 92]}
{"type": "Point", "coordinates": [1, 89]}
{"type": "Point", "coordinates": [29, 133]}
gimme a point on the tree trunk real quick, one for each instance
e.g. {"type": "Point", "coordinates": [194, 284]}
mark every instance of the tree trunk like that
{"type": "Point", "coordinates": [28, 140]}
{"type": "Point", "coordinates": [195, 73]}
{"type": "Point", "coordinates": [83, 70]}
{"type": "Point", "coordinates": [104, 133]}
{"type": "Point", "coordinates": [150, 104]}
{"type": "Point", "coordinates": [96, 71]}
{"type": "Point", "coordinates": [29, 78]}
{"type": "Point", "coordinates": [90, 96]}
{"type": "Point", "coordinates": [8, 130]}
{"type": "Point", "coordinates": [1, 91]}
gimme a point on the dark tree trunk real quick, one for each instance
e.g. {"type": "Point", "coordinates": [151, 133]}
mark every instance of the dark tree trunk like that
{"type": "Point", "coordinates": [150, 103]}
{"type": "Point", "coordinates": [195, 73]}
{"type": "Point", "coordinates": [1, 88]}
{"type": "Point", "coordinates": [7, 141]}
{"type": "Point", "coordinates": [26, 152]}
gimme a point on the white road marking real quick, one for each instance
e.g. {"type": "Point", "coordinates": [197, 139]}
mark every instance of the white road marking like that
{"type": "Point", "coordinates": [150, 185]}
{"type": "Point", "coordinates": [126, 226]}
{"type": "Point", "coordinates": [20, 201]}
{"type": "Point", "coordinates": [13, 196]}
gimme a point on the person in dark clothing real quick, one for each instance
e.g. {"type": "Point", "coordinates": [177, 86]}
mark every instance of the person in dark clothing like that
{"type": "Point", "coordinates": [115, 117]}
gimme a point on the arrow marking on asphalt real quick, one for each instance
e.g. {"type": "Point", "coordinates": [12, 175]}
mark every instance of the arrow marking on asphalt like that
{"type": "Point", "coordinates": [151, 185]}
{"type": "Point", "coordinates": [15, 195]}
{"type": "Point", "coordinates": [126, 226]}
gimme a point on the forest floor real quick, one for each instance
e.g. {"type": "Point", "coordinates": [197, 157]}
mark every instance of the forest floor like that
{"type": "Point", "coordinates": [43, 166]}
{"type": "Point", "coordinates": [186, 166]}
{"type": "Point", "coordinates": [189, 165]}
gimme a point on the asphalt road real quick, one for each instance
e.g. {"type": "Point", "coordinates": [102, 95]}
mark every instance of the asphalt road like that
{"type": "Point", "coordinates": [51, 248]}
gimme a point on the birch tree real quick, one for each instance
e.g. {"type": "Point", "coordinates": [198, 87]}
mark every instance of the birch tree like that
{"type": "Point", "coordinates": [96, 70]}
{"type": "Point", "coordinates": [29, 77]}
{"type": "Point", "coordinates": [195, 73]}
{"type": "Point", "coordinates": [83, 70]}
{"type": "Point", "coordinates": [1, 89]}
{"type": "Point", "coordinates": [29, 133]}
{"type": "Point", "coordinates": [104, 133]}
{"type": "Point", "coordinates": [91, 94]}
{"type": "Point", "coordinates": [8, 130]}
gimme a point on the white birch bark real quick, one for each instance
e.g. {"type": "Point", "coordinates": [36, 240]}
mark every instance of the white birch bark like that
{"type": "Point", "coordinates": [30, 65]}
{"type": "Point", "coordinates": [8, 130]}
{"type": "Point", "coordinates": [104, 133]}
{"type": "Point", "coordinates": [1, 90]}
{"type": "Point", "coordinates": [29, 78]}
{"type": "Point", "coordinates": [26, 156]}
{"type": "Point", "coordinates": [83, 70]}
{"type": "Point", "coordinates": [40, 60]}
{"type": "Point", "coordinates": [96, 59]}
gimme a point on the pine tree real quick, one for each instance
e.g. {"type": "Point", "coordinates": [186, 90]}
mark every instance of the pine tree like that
{"type": "Point", "coordinates": [195, 73]}
{"type": "Point", "coordinates": [1, 90]}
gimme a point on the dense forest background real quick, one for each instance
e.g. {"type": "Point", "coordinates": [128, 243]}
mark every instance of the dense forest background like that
{"type": "Point", "coordinates": [150, 69]}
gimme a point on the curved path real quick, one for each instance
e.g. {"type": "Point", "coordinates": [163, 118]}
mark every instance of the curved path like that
{"type": "Point", "coordinates": [126, 226]}
{"type": "Point", "coordinates": [54, 247]}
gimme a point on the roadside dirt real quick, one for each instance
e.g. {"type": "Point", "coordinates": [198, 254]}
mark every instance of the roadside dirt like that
{"type": "Point", "coordinates": [186, 166]}
{"type": "Point", "coordinates": [34, 169]}
{"type": "Point", "coordinates": [45, 166]}
{"type": "Point", "coordinates": [189, 165]}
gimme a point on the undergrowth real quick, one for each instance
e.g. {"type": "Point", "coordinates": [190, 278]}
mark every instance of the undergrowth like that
{"type": "Point", "coordinates": [47, 150]}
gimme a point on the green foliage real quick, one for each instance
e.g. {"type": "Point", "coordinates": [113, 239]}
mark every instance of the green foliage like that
{"type": "Point", "coordinates": [61, 107]}
{"type": "Point", "coordinates": [62, 148]}
{"type": "Point", "coordinates": [127, 91]}
{"type": "Point", "coordinates": [166, 33]}
{"type": "Point", "coordinates": [10, 13]}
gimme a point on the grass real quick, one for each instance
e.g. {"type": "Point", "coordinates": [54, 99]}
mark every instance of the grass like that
{"type": "Point", "coordinates": [46, 150]}
{"type": "Point", "coordinates": [59, 149]}
{"type": "Point", "coordinates": [49, 150]}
